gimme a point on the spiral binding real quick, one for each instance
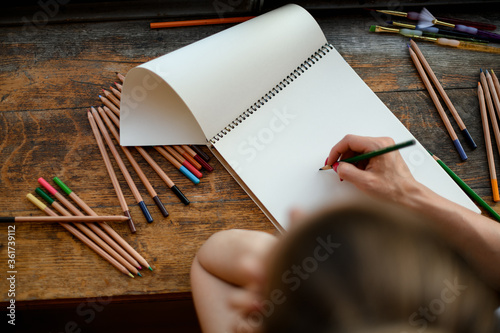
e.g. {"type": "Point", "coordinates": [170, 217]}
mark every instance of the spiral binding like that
{"type": "Point", "coordinates": [302, 68]}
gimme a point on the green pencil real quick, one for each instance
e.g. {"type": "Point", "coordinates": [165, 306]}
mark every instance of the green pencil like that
{"type": "Point", "coordinates": [374, 153]}
{"type": "Point", "coordinates": [466, 188]}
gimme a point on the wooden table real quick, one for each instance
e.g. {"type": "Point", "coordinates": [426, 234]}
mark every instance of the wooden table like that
{"type": "Point", "coordinates": [52, 73]}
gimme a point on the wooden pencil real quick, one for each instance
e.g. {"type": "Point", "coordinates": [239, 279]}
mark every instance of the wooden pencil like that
{"type": "Point", "coordinates": [151, 162]}
{"type": "Point", "coordinates": [177, 164]}
{"type": "Point", "coordinates": [109, 168]}
{"type": "Point", "coordinates": [110, 105]}
{"type": "Point", "coordinates": [493, 92]}
{"type": "Point", "coordinates": [92, 231]}
{"type": "Point", "coordinates": [174, 24]}
{"type": "Point", "coordinates": [188, 157]}
{"type": "Point", "coordinates": [116, 92]}
{"type": "Point", "coordinates": [487, 140]}
{"type": "Point", "coordinates": [495, 81]}
{"type": "Point", "coordinates": [112, 97]}
{"type": "Point", "coordinates": [443, 94]}
{"type": "Point", "coordinates": [86, 208]}
{"type": "Point", "coordinates": [490, 108]}
{"type": "Point", "coordinates": [120, 77]}
{"type": "Point", "coordinates": [137, 195]}
{"type": "Point", "coordinates": [119, 86]}
{"type": "Point", "coordinates": [63, 219]}
{"type": "Point", "coordinates": [81, 237]}
{"type": "Point", "coordinates": [183, 161]}
{"type": "Point", "coordinates": [134, 163]}
{"type": "Point", "coordinates": [110, 241]}
{"type": "Point", "coordinates": [440, 109]}
{"type": "Point", "coordinates": [201, 153]}
{"type": "Point", "coordinates": [197, 157]}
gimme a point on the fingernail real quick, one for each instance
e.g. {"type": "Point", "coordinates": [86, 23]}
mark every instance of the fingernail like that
{"type": "Point", "coordinates": [335, 166]}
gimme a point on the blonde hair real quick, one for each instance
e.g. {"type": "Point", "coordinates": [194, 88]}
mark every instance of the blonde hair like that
{"type": "Point", "coordinates": [372, 268]}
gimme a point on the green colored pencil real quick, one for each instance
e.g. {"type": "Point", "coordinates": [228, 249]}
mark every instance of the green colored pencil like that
{"type": "Point", "coordinates": [466, 187]}
{"type": "Point", "coordinates": [374, 153]}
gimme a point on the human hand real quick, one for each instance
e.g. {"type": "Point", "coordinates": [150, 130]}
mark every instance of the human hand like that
{"type": "Point", "coordinates": [386, 176]}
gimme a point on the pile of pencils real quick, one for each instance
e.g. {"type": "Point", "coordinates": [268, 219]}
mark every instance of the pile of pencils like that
{"type": "Point", "coordinates": [189, 160]}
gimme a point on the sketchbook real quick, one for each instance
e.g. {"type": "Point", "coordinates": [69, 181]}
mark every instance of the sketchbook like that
{"type": "Point", "coordinates": [270, 97]}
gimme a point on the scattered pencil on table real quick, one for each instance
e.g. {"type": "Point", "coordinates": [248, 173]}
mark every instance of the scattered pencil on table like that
{"type": "Point", "coordinates": [466, 188]}
{"type": "Point", "coordinates": [371, 154]}
{"type": "Point", "coordinates": [487, 140]}
{"type": "Point", "coordinates": [174, 24]}
{"type": "Point", "coordinates": [437, 103]}
{"type": "Point", "coordinates": [443, 94]}
{"type": "Point", "coordinates": [63, 219]}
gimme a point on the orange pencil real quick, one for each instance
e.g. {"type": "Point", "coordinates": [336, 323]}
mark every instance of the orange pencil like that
{"type": "Point", "coordinates": [188, 157]}
{"type": "Point", "coordinates": [183, 161]}
{"type": "Point", "coordinates": [487, 140]}
{"type": "Point", "coordinates": [188, 23]}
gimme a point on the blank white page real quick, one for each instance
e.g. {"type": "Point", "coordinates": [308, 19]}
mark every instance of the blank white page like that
{"type": "Point", "coordinates": [278, 150]}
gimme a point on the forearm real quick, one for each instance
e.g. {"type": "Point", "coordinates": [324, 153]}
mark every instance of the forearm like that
{"type": "Point", "coordinates": [475, 237]}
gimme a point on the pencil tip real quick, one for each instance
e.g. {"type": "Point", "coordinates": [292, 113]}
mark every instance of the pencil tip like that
{"type": "Point", "coordinates": [480, 70]}
{"type": "Point", "coordinates": [150, 268]}
{"type": "Point", "coordinates": [130, 274]}
{"type": "Point", "coordinates": [100, 96]}
{"type": "Point", "coordinates": [139, 274]}
{"type": "Point", "coordinates": [487, 72]}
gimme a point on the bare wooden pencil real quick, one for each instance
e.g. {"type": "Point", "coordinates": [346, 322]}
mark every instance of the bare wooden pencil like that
{"type": "Point", "coordinates": [137, 195]}
{"type": "Point", "coordinates": [495, 81]}
{"type": "Point", "coordinates": [82, 237]}
{"type": "Point", "coordinates": [63, 219]}
{"type": "Point", "coordinates": [110, 170]}
{"type": "Point", "coordinates": [493, 92]}
{"type": "Point", "coordinates": [443, 94]}
{"type": "Point", "coordinates": [112, 98]}
{"type": "Point", "coordinates": [118, 86]}
{"type": "Point", "coordinates": [487, 140]}
{"type": "Point", "coordinates": [438, 105]}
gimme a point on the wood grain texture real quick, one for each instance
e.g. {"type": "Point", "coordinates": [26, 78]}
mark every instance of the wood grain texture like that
{"type": "Point", "coordinates": [50, 75]}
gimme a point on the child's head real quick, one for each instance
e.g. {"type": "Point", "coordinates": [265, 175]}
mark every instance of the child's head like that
{"type": "Point", "coordinates": [372, 268]}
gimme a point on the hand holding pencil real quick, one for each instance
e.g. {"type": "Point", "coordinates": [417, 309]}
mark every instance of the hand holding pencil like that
{"type": "Point", "coordinates": [385, 176]}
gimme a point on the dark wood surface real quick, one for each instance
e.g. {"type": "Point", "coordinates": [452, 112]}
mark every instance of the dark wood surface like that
{"type": "Point", "coordinates": [50, 75]}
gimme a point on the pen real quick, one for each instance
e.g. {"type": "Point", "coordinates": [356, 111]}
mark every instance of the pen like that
{"type": "Point", "coordinates": [371, 154]}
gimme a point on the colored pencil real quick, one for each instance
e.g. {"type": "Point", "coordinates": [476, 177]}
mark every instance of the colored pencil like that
{"type": "Point", "coordinates": [487, 140]}
{"type": "Point", "coordinates": [119, 87]}
{"type": "Point", "coordinates": [201, 153]}
{"type": "Point", "coordinates": [63, 219]}
{"type": "Point", "coordinates": [197, 157]}
{"type": "Point", "coordinates": [109, 168]}
{"type": "Point", "coordinates": [182, 161]}
{"type": "Point", "coordinates": [137, 195]}
{"type": "Point", "coordinates": [112, 97]}
{"type": "Point", "coordinates": [81, 237]}
{"type": "Point", "coordinates": [177, 165]}
{"type": "Point", "coordinates": [110, 105]}
{"type": "Point", "coordinates": [495, 81]}
{"type": "Point", "coordinates": [371, 154]}
{"type": "Point", "coordinates": [174, 24]}
{"type": "Point", "coordinates": [110, 231]}
{"type": "Point", "coordinates": [188, 157]}
{"type": "Point", "coordinates": [441, 32]}
{"type": "Point", "coordinates": [92, 231]}
{"type": "Point", "coordinates": [466, 188]}
{"type": "Point", "coordinates": [188, 170]}
{"type": "Point", "coordinates": [443, 94]}
{"type": "Point", "coordinates": [491, 109]}
{"type": "Point", "coordinates": [111, 242]}
{"type": "Point", "coordinates": [440, 109]}
{"type": "Point", "coordinates": [151, 162]}
{"type": "Point", "coordinates": [115, 91]}
{"type": "Point", "coordinates": [493, 92]}
{"type": "Point", "coordinates": [134, 164]}
{"type": "Point", "coordinates": [120, 77]}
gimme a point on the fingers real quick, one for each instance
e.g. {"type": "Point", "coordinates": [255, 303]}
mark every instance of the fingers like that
{"type": "Point", "coordinates": [354, 144]}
